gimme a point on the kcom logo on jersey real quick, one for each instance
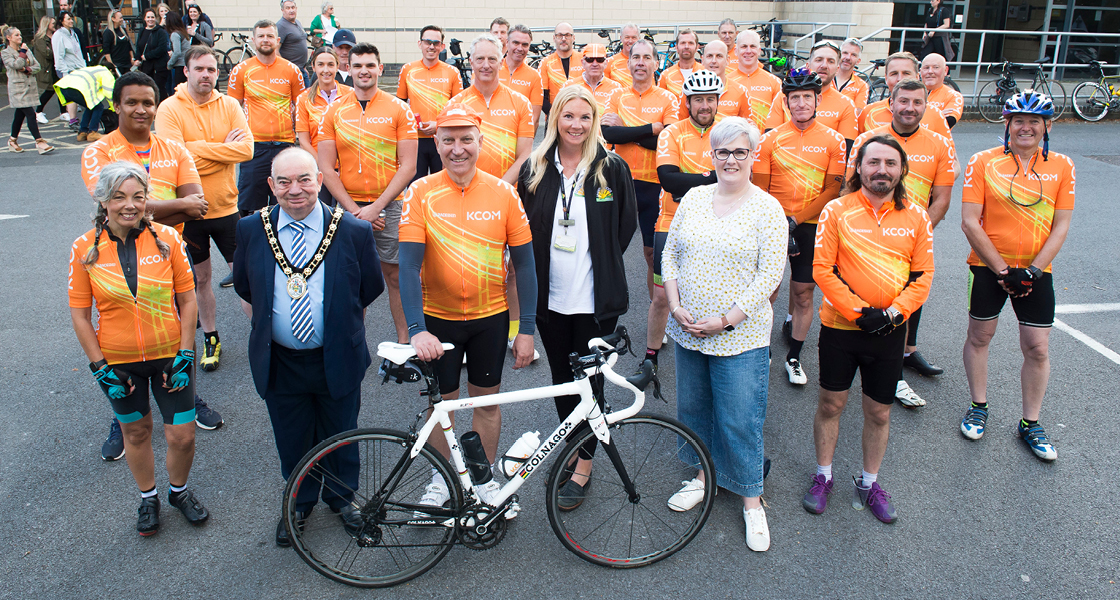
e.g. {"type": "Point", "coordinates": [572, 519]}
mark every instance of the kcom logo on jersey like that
{"type": "Point", "coordinates": [163, 164]}
{"type": "Point", "coordinates": [381, 120]}
{"type": "Point", "coordinates": [484, 215]}
{"type": "Point", "coordinates": [502, 112]}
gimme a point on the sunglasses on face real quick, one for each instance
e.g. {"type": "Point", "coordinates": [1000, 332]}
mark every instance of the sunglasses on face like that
{"type": "Point", "coordinates": [597, 59]}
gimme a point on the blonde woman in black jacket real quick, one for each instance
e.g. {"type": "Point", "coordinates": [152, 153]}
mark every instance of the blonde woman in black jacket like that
{"type": "Point", "coordinates": [582, 212]}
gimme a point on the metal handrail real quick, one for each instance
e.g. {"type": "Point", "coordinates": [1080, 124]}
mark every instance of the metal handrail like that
{"type": "Point", "coordinates": [813, 34]}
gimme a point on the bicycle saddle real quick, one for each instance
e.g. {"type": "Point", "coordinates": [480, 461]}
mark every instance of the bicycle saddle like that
{"type": "Point", "coordinates": [399, 354]}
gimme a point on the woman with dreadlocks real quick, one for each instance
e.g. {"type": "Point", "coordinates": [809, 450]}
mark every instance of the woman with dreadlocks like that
{"type": "Point", "coordinates": [137, 274]}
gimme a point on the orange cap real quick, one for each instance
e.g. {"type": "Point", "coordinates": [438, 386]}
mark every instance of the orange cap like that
{"type": "Point", "coordinates": [457, 114]}
{"type": "Point", "coordinates": [594, 51]}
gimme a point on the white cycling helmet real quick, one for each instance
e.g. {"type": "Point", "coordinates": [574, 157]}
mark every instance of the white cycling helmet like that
{"type": "Point", "coordinates": [702, 82]}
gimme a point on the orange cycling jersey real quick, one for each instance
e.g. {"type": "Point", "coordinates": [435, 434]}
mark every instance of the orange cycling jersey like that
{"type": "Point", "coordinates": [505, 118]}
{"type": "Point", "coordinates": [735, 101]}
{"type": "Point", "coordinates": [1019, 200]}
{"type": "Point", "coordinates": [132, 328]}
{"type": "Point", "coordinates": [618, 69]}
{"type": "Point", "coordinates": [602, 91]}
{"type": "Point", "coordinates": [856, 90]}
{"type": "Point", "coordinates": [672, 79]}
{"type": "Point", "coordinates": [428, 89]}
{"type": "Point", "coordinates": [366, 141]}
{"type": "Point", "coordinates": [465, 233]}
{"type": "Point", "coordinates": [525, 81]}
{"type": "Point", "coordinates": [868, 258]}
{"type": "Point", "coordinates": [798, 163]}
{"type": "Point", "coordinates": [834, 111]}
{"type": "Point", "coordinates": [762, 87]}
{"type": "Point", "coordinates": [688, 147]}
{"type": "Point", "coordinates": [268, 93]}
{"type": "Point", "coordinates": [552, 74]}
{"type": "Point", "coordinates": [655, 105]}
{"type": "Point", "coordinates": [169, 164]}
{"type": "Point", "coordinates": [878, 114]}
{"type": "Point", "coordinates": [310, 111]}
{"type": "Point", "coordinates": [947, 101]}
{"type": "Point", "coordinates": [929, 156]}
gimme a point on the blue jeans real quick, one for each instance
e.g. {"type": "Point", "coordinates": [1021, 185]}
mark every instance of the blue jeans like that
{"type": "Point", "coordinates": [723, 400]}
{"type": "Point", "coordinates": [91, 118]}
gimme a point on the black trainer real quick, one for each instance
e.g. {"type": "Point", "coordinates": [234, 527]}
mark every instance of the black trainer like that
{"type": "Point", "coordinates": [191, 508]}
{"type": "Point", "coordinates": [113, 448]}
{"type": "Point", "coordinates": [148, 521]}
{"type": "Point", "coordinates": [919, 363]}
{"type": "Point", "coordinates": [282, 539]}
{"type": "Point", "coordinates": [227, 281]}
{"type": "Point", "coordinates": [204, 416]}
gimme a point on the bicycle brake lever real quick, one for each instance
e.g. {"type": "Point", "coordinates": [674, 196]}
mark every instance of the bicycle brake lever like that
{"type": "Point", "coordinates": [657, 390]}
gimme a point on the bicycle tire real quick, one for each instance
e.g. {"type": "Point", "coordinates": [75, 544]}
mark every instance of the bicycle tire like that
{"type": "Point", "coordinates": [649, 446]}
{"type": "Point", "coordinates": [878, 90]}
{"type": "Point", "coordinates": [990, 101]}
{"type": "Point", "coordinates": [949, 82]}
{"type": "Point", "coordinates": [1091, 101]}
{"type": "Point", "coordinates": [329, 548]}
{"type": "Point", "coordinates": [1057, 93]}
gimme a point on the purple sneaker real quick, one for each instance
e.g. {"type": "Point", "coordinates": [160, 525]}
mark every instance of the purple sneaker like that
{"type": "Point", "coordinates": [816, 500]}
{"type": "Point", "coordinates": [876, 498]}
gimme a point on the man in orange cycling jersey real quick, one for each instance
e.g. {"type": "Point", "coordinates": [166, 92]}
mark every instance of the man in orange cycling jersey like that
{"type": "Point", "coordinates": [673, 78]}
{"type": "Point", "coordinates": [267, 87]}
{"type": "Point", "coordinates": [899, 66]}
{"type": "Point", "coordinates": [371, 135]}
{"type": "Point", "coordinates": [633, 119]}
{"type": "Point", "coordinates": [763, 87]}
{"type": "Point", "coordinates": [594, 55]}
{"type": "Point", "coordinates": [728, 31]}
{"type": "Point", "coordinates": [929, 184]}
{"type": "Point", "coordinates": [618, 67]}
{"type": "Point", "coordinates": [454, 228]}
{"type": "Point", "coordinates": [684, 161]}
{"type": "Point", "coordinates": [428, 85]}
{"type": "Point", "coordinates": [517, 75]}
{"type": "Point", "coordinates": [847, 81]}
{"type": "Point", "coordinates": [1017, 206]}
{"type": "Point", "coordinates": [499, 28]}
{"type": "Point", "coordinates": [942, 98]}
{"type": "Point", "coordinates": [560, 66]}
{"type": "Point", "coordinates": [801, 163]}
{"type": "Point", "coordinates": [735, 100]}
{"type": "Point", "coordinates": [874, 263]}
{"type": "Point", "coordinates": [834, 110]}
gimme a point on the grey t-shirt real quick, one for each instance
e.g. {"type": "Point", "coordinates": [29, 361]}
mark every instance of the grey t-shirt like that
{"type": "Point", "coordinates": [293, 41]}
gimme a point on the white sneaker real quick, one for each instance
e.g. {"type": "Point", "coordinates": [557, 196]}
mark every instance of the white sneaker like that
{"type": "Point", "coordinates": [64, 117]}
{"type": "Point", "coordinates": [42, 119]}
{"type": "Point", "coordinates": [758, 532]}
{"type": "Point", "coordinates": [688, 497]}
{"type": "Point", "coordinates": [664, 340]}
{"type": "Point", "coordinates": [795, 372]}
{"type": "Point", "coordinates": [488, 491]}
{"type": "Point", "coordinates": [435, 494]}
{"type": "Point", "coordinates": [908, 397]}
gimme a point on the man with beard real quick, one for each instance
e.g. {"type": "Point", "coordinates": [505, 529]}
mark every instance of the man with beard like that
{"type": "Point", "coordinates": [929, 185]}
{"type": "Point", "coordinates": [899, 66]}
{"type": "Point", "coordinates": [618, 67]}
{"type": "Point", "coordinates": [735, 100]}
{"type": "Point", "coordinates": [371, 135]}
{"type": "Point", "coordinates": [267, 87]}
{"type": "Point", "coordinates": [560, 66]}
{"type": "Point", "coordinates": [673, 78]}
{"type": "Point", "coordinates": [764, 88]}
{"type": "Point", "coordinates": [835, 110]}
{"type": "Point", "coordinates": [874, 263]}
{"type": "Point", "coordinates": [517, 75]}
{"type": "Point", "coordinates": [847, 81]}
{"type": "Point", "coordinates": [801, 163]}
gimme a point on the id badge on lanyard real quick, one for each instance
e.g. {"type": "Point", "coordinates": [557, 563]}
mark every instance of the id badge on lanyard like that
{"type": "Point", "coordinates": [565, 242]}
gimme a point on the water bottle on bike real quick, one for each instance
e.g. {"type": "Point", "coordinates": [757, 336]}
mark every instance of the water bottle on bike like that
{"type": "Point", "coordinates": [519, 451]}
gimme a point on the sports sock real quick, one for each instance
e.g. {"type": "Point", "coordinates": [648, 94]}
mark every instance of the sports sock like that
{"type": "Point", "coordinates": [983, 405]}
{"type": "Point", "coordinates": [825, 470]}
{"type": "Point", "coordinates": [906, 354]}
{"type": "Point", "coordinates": [207, 334]}
{"type": "Point", "coordinates": [148, 494]}
{"type": "Point", "coordinates": [789, 317]}
{"type": "Point", "coordinates": [867, 479]}
{"type": "Point", "coordinates": [1025, 424]}
{"type": "Point", "coordinates": [651, 354]}
{"type": "Point", "coordinates": [174, 491]}
{"type": "Point", "coordinates": [795, 349]}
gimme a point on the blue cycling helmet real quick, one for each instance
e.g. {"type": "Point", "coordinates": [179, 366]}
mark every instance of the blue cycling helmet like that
{"type": "Point", "coordinates": [1028, 102]}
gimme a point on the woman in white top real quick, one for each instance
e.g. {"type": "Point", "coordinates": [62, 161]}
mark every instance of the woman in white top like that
{"type": "Point", "coordinates": [724, 254]}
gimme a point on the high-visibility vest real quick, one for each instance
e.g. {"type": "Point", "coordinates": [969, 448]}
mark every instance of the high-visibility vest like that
{"type": "Point", "coordinates": [94, 83]}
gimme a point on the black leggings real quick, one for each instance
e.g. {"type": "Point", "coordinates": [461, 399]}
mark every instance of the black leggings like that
{"type": "Point", "coordinates": [562, 335]}
{"type": "Point", "coordinates": [17, 122]}
{"type": "Point", "coordinates": [45, 96]}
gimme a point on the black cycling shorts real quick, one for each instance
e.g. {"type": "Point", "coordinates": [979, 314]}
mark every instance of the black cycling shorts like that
{"type": "Point", "coordinates": [484, 341]}
{"type": "Point", "coordinates": [649, 207]}
{"type": "Point", "coordinates": [659, 239]}
{"type": "Point", "coordinates": [223, 230]}
{"type": "Point", "coordinates": [877, 358]}
{"type": "Point", "coordinates": [177, 408]}
{"type": "Point", "coordinates": [801, 266]}
{"type": "Point", "coordinates": [986, 299]}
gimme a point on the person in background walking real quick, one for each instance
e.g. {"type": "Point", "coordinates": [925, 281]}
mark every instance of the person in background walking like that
{"type": "Point", "coordinates": [23, 92]}
{"type": "Point", "coordinates": [324, 25]}
{"type": "Point", "coordinates": [199, 27]}
{"type": "Point", "coordinates": [67, 55]}
{"type": "Point", "coordinates": [116, 46]}
{"type": "Point", "coordinates": [41, 48]}
{"type": "Point", "coordinates": [293, 39]}
{"type": "Point", "coordinates": [936, 37]}
{"type": "Point", "coordinates": [151, 50]}
{"type": "Point", "coordinates": [179, 40]}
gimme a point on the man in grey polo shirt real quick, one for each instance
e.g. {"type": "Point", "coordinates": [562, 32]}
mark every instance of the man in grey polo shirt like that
{"type": "Point", "coordinates": [293, 39]}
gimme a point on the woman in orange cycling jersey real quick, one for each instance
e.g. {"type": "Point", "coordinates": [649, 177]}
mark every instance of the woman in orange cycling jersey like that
{"type": "Point", "coordinates": [137, 274]}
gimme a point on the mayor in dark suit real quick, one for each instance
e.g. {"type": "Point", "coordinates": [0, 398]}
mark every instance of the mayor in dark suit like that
{"type": "Point", "coordinates": [307, 347]}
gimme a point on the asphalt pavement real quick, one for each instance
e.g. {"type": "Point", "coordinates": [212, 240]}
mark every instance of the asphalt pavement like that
{"type": "Point", "coordinates": [976, 519]}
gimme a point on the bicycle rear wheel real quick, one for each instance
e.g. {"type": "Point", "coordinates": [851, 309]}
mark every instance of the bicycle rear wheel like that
{"type": "Point", "coordinates": [1057, 94]}
{"type": "Point", "coordinates": [878, 90]}
{"type": "Point", "coordinates": [991, 99]}
{"type": "Point", "coordinates": [1090, 100]}
{"type": "Point", "coordinates": [949, 82]}
{"type": "Point", "coordinates": [396, 541]}
{"type": "Point", "coordinates": [612, 529]}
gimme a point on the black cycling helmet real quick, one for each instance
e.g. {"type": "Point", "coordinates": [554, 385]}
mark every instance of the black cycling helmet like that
{"type": "Point", "coordinates": [801, 79]}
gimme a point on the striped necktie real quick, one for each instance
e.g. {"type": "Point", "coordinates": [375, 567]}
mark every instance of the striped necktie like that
{"type": "Point", "coordinates": [302, 326]}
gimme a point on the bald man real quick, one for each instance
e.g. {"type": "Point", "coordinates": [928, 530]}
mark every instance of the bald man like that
{"type": "Point", "coordinates": [942, 98]}
{"type": "Point", "coordinates": [560, 66]}
{"type": "Point", "coordinates": [762, 86]}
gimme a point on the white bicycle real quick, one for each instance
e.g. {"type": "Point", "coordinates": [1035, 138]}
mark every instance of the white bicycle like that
{"type": "Point", "coordinates": [624, 520]}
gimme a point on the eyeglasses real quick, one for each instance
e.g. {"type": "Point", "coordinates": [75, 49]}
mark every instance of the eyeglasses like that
{"type": "Point", "coordinates": [565, 36]}
{"type": "Point", "coordinates": [432, 43]}
{"type": "Point", "coordinates": [597, 59]}
{"type": "Point", "coordinates": [724, 154]}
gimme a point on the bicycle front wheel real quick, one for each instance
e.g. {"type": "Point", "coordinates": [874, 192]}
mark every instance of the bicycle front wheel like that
{"type": "Point", "coordinates": [991, 99]}
{"type": "Point", "coordinates": [396, 541]}
{"type": "Point", "coordinates": [1090, 100]}
{"type": "Point", "coordinates": [877, 91]}
{"type": "Point", "coordinates": [614, 529]}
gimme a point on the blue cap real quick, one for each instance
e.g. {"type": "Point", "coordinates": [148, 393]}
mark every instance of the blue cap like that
{"type": "Point", "coordinates": [344, 37]}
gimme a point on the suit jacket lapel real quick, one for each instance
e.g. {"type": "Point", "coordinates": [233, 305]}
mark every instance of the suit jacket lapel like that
{"type": "Point", "coordinates": [270, 260]}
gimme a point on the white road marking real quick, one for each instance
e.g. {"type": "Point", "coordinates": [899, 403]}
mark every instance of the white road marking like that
{"type": "Point", "coordinates": [1080, 309]}
{"type": "Point", "coordinates": [1088, 341]}
{"type": "Point", "coordinates": [2, 217]}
